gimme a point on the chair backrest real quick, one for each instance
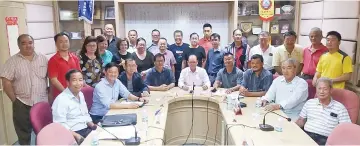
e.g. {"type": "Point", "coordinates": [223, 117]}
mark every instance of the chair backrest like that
{"type": "Point", "coordinates": [40, 116]}
{"type": "Point", "coordinates": [55, 134]}
{"type": "Point", "coordinates": [350, 100]}
{"type": "Point", "coordinates": [311, 89]}
{"type": "Point", "coordinates": [88, 92]}
{"type": "Point", "coordinates": [344, 134]}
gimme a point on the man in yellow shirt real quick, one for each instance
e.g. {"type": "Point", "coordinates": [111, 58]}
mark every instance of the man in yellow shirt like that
{"type": "Point", "coordinates": [335, 64]}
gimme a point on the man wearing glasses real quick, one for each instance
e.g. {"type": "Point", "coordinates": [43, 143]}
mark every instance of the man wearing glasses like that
{"type": "Point", "coordinates": [155, 36]}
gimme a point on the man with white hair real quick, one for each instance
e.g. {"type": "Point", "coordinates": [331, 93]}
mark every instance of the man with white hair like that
{"type": "Point", "coordinates": [321, 115]}
{"type": "Point", "coordinates": [109, 33]}
{"type": "Point", "coordinates": [287, 92]}
{"type": "Point", "coordinates": [193, 75]}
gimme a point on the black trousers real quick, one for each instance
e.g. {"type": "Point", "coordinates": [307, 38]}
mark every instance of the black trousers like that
{"type": "Point", "coordinates": [319, 139]}
{"type": "Point", "coordinates": [84, 132]}
{"type": "Point", "coordinates": [96, 119]}
{"type": "Point", "coordinates": [22, 124]}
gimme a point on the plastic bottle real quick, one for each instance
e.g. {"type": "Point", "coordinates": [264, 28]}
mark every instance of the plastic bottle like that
{"type": "Point", "coordinates": [258, 102]}
{"type": "Point", "coordinates": [279, 125]}
{"type": "Point", "coordinates": [95, 139]}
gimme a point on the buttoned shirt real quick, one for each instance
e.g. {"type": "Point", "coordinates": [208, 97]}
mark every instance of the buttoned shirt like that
{"type": "Point", "coordinates": [169, 58]}
{"type": "Point", "coordinates": [155, 78]}
{"type": "Point", "coordinates": [319, 118]}
{"type": "Point", "coordinates": [290, 95]}
{"type": "Point", "coordinates": [70, 111]}
{"type": "Point", "coordinates": [153, 48]}
{"type": "Point", "coordinates": [112, 45]}
{"type": "Point", "coordinates": [267, 55]}
{"type": "Point", "coordinates": [229, 80]}
{"type": "Point", "coordinates": [132, 48]}
{"type": "Point", "coordinates": [106, 94]}
{"type": "Point", "coordinates": [257, 83]}
{"type": "Point", "coordinates": [282, 54]}
{"type": "Point", "coordinates": [214, 61]}
{"type": "Point", "coordinates": [198, 78]}
{"type": "Point", "coordinates": [29, 79]}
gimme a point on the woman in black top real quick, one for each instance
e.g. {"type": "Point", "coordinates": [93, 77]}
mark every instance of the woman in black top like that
{"type": "Point", "coordinates": [122, 54]}
{"type": "Point", "coordinates": [143, 59]}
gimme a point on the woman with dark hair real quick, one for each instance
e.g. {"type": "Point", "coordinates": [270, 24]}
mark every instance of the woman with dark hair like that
{"type": "Point", "coordinates": [90, 61]}
{"type": "Point", "coordinates": [122, 54]}
{"type": "Point", "coordinates": [105, 55]}
{"type": "Point", "coordinates": [144, 59]}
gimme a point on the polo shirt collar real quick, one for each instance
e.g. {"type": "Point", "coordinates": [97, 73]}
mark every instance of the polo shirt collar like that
{"type": "Point", "coordinates": [217, 50]}
{"type": "Point", "coordinates": [154, 70]}
{"type": "Point", "coordinates": [196, 70]}
{"type": "Point", "coordinates": [208, 40]}
{"type": "Point", "coordinates": [22, 56]}
{"type": "Point", "coordinates": [262, 74]}
{"type": "Point", "coordinates": [321, 47]}
{"type": "Point", "coordinates": [332, 102]}
{"type": "Point", "coordinates": [57, 55]}
{"type": "Point", "coordinates": [233, 71]}
{"type": "Point", "coordinates": [292, 81]}
{"type": "Point", "coordinates": [71, 95]}
{"type": "Point", "coordinates": [107, 82]}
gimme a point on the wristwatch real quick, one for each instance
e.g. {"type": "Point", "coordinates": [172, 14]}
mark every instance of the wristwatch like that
{"type": "Point", "coordinates": [139, 98]}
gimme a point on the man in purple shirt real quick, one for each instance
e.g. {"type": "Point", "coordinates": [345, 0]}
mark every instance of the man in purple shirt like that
{"type": "Point", "coordinates": [169, 56]}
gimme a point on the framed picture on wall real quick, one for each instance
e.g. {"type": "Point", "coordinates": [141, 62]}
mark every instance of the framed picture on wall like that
{"type": "Point", "coordinates": [96, 32]}
{"type": "Point", "coordinates": [109, 12]}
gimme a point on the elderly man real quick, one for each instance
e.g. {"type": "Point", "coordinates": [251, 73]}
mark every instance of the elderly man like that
{"type": "Point", "coordinates": [321, 115]}
{"type": "Point", "coordinates": [257, 80]}
{"type": "Point", "coordinates": [265, 50]}
{"type": "Point", "coordinates": [287, 92]}
{"type": "Point", "coordinates": [70, 110]}
{"type": "Point", "coordinates": [177, 49]}
{"type": "Point", "coordinates": [229, 77]}
{"type": "Point", "coordinates": [106, 94]}
{"type": "Point", "coordinates": [109, 33]}
{"type": "Point", "coordinates": [335, 64]}
{"type": "Point", "coordinates": [312, 53]}
{"type": "Point", "coordinates": [133, 36]}
{"type": "Point", "coordinates": [193, 75]}
{"type": "Point", "coordinates": [155, 36]}
{"type": "Point", "coordinates": [25, 83]}
{"type": "Point", "coordinates": [160, 78]}
{"type": "Point", "coordinates": [288, 50]}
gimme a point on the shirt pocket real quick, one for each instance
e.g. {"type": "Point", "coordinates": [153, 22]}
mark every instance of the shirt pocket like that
{"type": "Point", "coordinates": [40, 71]}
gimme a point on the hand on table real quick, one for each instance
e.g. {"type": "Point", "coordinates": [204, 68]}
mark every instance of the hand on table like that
{"type": "Point", "coordinates": [272, 107]}
{"type": "Point", "coordinates": [132, 106]}
{"type": "Point", "coordinates": [228, 91]}
{"type": "Point", "coordinates": [164, 87]}
{"type": "Point", "coordinates": [243, 90]}
{"type": "Point", "coordinates": [145, 94]}
{"type": "Point", "coordinates": [144, 99]}
{"type": "Point", "coordinates": [264, 103]}
{"type": "Point", "coordinates": [91, 125]}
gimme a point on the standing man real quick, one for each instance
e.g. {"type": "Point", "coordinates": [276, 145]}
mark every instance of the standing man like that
{"type": "Point", "coordinates": [264, 49]}
{"type": "Point", "coordinates": [312, 53]}
{"type": "Point", "coordinates": [205, 42]}
{"type": "Point", "coordinates": [335, 64]}
{"type": "Point", "coordinates": [288, 50]}
{"type": "Point", "coordinates": [169, 56]}
{"type": "Point", "coordinates": [133, 36]}
{"type": "Point", "coordinates": [60, 64]}
{"type": "Point", "coordinates": [109, 33]}
{"type": "Point", "coordinates": [177, 49]}
{"type": "Point", "coordinates": [160, 78]}
{"type": "Point", "coordinates": [155, 36]}
{"type": "Point", "coordinates": [194, 49]}
{"type": "Point", "coordinates": [215, 58]}
{"type": "Point", "coordinates": [25, 83]}
{"type": "Point", "coordinates": [240, 50]}
{"type": "Point", "coordinates": [257, 80]}
{"type": "Point", "coordinates": [193, 76]}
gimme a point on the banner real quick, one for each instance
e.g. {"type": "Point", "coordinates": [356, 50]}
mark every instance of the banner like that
{"type": "Point", "coordinates": [266, 9]}
{"type": "Point", "coordinates": [86, 10]}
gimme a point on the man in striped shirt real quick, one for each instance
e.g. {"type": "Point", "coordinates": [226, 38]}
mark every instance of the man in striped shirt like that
{"type": "Point", "coordinates": [321, 115]}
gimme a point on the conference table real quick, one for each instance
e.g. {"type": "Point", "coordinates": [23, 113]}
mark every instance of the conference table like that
{"type": "Point", "coordinates": [204, 119]}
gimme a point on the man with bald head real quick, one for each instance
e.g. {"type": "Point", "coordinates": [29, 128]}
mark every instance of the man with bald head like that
{"type": "Point", "coordinates": [193, 75]}
{"type": "Point", "coordinates": [312, 53]}
{"type": "Point", "coordinates": [109, 32]}
{"type": "Point", "coordinates": [287, 92]}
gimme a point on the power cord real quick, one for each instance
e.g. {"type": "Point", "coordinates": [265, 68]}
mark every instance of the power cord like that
{"type": "Point", "coordinates": [192, 115]}
{"type": "Point", "coordinates": [233, 125]}
{"type": "Point", "coordinates": [163, 142]}
{"type": "Point", "coordinates": [207, 120]}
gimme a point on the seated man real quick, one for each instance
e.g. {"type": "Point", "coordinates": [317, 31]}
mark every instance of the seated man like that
{"type": "Point", "coordinates": [257, 80]}
{"type": "Point", "coordinates": [160, 78]}
{"type": "Point", "coordinates": [132, 79]}
{"type": "Point", "coordinates": [321, 115]}
{"type": "Point", "coordinates": [69, 108]}
{"type": "Point", "coordinates": [288, 92]}
{"type": "Point", "coordinates": [193, 75]}
{"type": "Point", "coordinates": [106, 94]}
{"type": "Point", "coordinates": [229, 77]}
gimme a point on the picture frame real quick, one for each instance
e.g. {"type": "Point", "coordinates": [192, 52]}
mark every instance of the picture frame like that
{"type": "Point", "coordinates": [97, 31]}
{"type": "Point", "coordinates": [109, 12]}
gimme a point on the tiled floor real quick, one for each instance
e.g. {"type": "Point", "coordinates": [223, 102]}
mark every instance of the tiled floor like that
{"type": "Point", "coordinates": [33, 138]}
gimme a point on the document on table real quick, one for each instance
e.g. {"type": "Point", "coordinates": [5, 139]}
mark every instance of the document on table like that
{"type": "Point", "coordinates": [122, 132]}
{"type": "Point", "coordinates": [131, 102]}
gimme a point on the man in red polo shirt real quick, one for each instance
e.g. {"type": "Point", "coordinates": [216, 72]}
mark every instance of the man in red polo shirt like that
{"type": "Point", "coordinates": [312, 53]}
{"type": "Point", "coordinates": [205, 42]}
{"type": "Point", "coordinates": [60, 63]}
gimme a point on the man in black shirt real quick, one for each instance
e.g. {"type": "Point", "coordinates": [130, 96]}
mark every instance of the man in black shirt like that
{"type": "Point", "coordinates": [177, 49]}
{"type": "Point", "coordinates": [194, 49]}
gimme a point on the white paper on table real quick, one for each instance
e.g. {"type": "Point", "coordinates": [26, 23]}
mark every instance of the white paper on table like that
{"type": "Point", "coordinates": [131, 102]}
{"type": "Point", "coordinates": [122, 132]}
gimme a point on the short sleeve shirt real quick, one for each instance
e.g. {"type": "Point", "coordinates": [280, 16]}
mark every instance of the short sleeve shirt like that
{"type": "Point", "coordinates": [155, 78]}
{"type": "Point", "coordinates": [229, 80]}
{"type": "Point", "coordinates": [282, 54]}
{"type": "Point", "coordinates": [199, 52]}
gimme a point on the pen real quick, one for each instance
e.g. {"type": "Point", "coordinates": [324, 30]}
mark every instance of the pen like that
{"type": "Point", "coordinates": [158, 111]}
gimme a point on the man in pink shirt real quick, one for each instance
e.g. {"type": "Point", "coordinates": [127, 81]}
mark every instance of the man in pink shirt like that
{"type": "Point", "coordinates": [205, 42]}
{"type": "Point", "coordinates": [312, 53]}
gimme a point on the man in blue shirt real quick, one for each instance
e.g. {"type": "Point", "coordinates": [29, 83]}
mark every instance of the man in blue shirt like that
{"type": "Point", "coordinates": [214, 61]}
{"type": "Point", "coordinates": [160, 78]}
{"type": "Point", "coordinates": [133, 80]}
{"type": "Point", "coordinates": [109, 33]}
{"type": "Point", "coordinates": [106, 94]}
{"type": "Point", "coordinates": [177, 49]}
{"type": "Point", "coordinates": [257, 80]}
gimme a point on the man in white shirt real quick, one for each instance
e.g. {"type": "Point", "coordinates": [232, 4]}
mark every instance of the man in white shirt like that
{"type": "Point", "coordinates": [287, 92]}
{"type": "Point", "coordinates": [321, 115]}
{"type": "Point", "coordinates": [264, 49]}
{"type": "Point", "coordinates": [70, 110]}
{"type": "Point", "coordinates": [193, 75]}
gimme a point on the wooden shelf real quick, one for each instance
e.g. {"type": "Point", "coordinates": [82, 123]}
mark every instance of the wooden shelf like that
{"type": "Point", "coordinates": [252, 15]}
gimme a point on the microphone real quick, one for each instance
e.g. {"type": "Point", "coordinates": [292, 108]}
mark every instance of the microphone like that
{"type": "Point", "coordinates": [267, 127]}
{"type": "Point", "coordinates": [131, 141]}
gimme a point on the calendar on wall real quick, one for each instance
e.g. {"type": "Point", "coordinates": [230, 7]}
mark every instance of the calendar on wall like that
{"type": "Point", "coordinates": [167, 18]}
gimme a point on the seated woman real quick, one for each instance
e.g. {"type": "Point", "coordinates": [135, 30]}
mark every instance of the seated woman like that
{"type": "Point", "coordinates": [132, 80]}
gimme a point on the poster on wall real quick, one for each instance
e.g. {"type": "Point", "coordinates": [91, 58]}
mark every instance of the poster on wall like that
{"type": "Point", "coordinates": [12, 31]}
{"type": "Point", "coordinates": [266, 10]}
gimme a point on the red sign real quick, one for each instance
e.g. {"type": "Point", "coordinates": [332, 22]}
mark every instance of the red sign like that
{"type": "Point", "coordinates": [11, 20]}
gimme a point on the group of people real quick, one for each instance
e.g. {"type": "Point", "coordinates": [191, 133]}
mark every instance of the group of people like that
{"type": "Point", "coordinates": [131, 69]}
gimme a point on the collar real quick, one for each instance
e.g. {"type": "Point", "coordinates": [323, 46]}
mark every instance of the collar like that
{"type": "Point", "coordinates": [262, 74]}
{"type": "Point", "coordinates": [196, 70]}
{"type": "Point", "coordinates": [321, 47]}
{"type": "Point", "coordinates": [217, 50]}
{"type": "Point", "coordinates": [332, 102]}
{"type": "Point", "coordinates": [154, 70]}
{"type": "Point", "coordinates": [208, 40]}
{"type": "Point", "coordinates": [71, 95]}
{"type": "Point", "coordinates": [165, 53]}
{"type": "Point", "coordinates": [22, 56]}
{"type": "Point", "coordinates": [292, 81]}
{"type": "Point", "coordinates": [233, 71]}
{"type": "Point", "coordinates": [57, 55]}
{"type": "Point", "coordinates": [107, 82]}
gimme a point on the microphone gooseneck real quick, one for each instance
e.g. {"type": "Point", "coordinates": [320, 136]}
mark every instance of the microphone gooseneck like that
{"type": "Point", "coordinates": [267, 127]}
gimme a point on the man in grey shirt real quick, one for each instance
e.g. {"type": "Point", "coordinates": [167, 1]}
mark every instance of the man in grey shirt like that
{"type": "Point", "coordinates": [230, 76]}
